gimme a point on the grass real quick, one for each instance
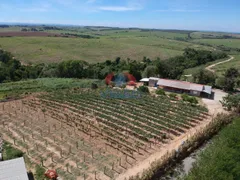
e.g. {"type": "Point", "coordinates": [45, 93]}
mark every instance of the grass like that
{"type": "Point", "coordinates": [221, 68]}
{"type": "Point", "coordinates": [233, 43]}
{"type": "Point", "coordinates": [220, 160]}
{"type": "Point", "coordinates": [44, 84]}
{"type": "Point", "coordinates": [132, 44]}
{"type": "Point", "coordinates": [10, 152]}
{"type": "Point", "coordinates": [196, 69]}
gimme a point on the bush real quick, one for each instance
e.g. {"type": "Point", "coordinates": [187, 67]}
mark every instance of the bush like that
{"type": "Point", "coordinates": [40, 173]}
{"type": "Point", "coordinates": [10, 152]}
{"type": "Point", "coordinates": [143, 89]}
{"type": "Point", "coordinates": [173, 95]}
{"type": "Point", "coordinates": [189, 99]}
{"type": "Point", "coordinates": [160, 92]}
{"type": "Point", "coordinates": [94, 86]}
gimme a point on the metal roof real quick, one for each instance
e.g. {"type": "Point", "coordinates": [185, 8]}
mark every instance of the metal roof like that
{"type": "Point", "coordinates": [207, 89]}
{"type": "Point", "coordinates": [153, 78]}
{"type": "Point", "coordinates": [13, 170]}
{"type": "Point", "coordinates": [144, 80]}
{"type": "Point", "coordinates": [184, 85]}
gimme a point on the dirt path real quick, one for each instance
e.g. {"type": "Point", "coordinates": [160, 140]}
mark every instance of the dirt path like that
{"type": "Point", "coordinates": [213, 65]}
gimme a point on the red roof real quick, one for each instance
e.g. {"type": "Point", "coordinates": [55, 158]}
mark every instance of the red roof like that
{"type": "Point", "coordinates": [51, 174]}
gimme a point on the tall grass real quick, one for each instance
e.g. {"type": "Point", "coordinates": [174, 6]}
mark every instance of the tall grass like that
{"type": "Point", "coordinates": [159, 167]}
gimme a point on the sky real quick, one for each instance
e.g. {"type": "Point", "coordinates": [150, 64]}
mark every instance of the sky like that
{"type": "Point", "coordinates": [213, 15]}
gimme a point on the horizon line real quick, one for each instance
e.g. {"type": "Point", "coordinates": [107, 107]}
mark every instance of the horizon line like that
{"type": "Point", "coordinates": [57, 24]}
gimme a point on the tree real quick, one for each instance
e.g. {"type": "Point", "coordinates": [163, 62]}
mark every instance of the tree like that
{"type": "Point", "coordinates": [231, 102]}
{"type": "Point", "coordinates": [135, 69]}
{"type": "Point", "coordinates": [231, 79]}
{"type": "Point", "coordinates": [143, 89]}
{"type": "Point", "coordinates": [150, 71]}
{"type": "Point", "coordinates": [117, 60]}
{"type": "Point", "coordinates": [232, 73]}
{"type": "Point", "coordinates": [204, 77]}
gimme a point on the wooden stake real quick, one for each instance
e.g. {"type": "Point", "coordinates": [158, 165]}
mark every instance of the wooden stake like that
{"type": "Point", "coordinates": [77, 145]}
{"type": "Point", "coordinates": [113, 166]}
{"type": "Point", "coordinates": [95, 175]}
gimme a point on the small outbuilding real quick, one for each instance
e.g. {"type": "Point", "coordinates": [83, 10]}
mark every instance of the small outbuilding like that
{"type": "Point", "coordinates": [14, 169]}
{"type": "Point", "coordinates": [151, 82]}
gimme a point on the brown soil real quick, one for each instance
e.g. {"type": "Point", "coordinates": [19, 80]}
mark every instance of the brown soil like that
{"type": "Point", "coordinates": [51, 132]}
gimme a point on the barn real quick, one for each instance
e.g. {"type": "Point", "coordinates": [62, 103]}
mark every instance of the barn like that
{"type": "Point", "coordinates": [179, 86]}
{"type": "Point", "coordinates": [185, 87]}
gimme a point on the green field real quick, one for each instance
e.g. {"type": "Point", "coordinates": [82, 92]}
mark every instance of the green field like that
{"type": "Point", "coordinates": [220, 160]}
{"type": "Point", "coordinates": [133, 44]}
{"type": "Point", "coordinates": [44, 84]}
{"type": "Point", "coordinates": [233, 43]}
{"type": "Point", "coordinates": [221, 68]}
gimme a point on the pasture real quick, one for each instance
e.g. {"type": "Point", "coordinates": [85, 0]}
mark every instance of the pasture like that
{"type": "Point", "coordinates": [85, 135]}
{"type": "Point", "coordinates": [232, 43]}
{"type": "Point", "coordinates": [133, 44]}
{"type": "Point", "coordinates": [221, 68]}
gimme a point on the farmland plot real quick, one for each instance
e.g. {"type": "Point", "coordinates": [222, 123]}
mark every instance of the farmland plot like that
{"type": "Point", "coordinates": [86, 136]}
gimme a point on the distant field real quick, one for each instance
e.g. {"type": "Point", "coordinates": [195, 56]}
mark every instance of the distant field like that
{"type": "Point", "coordinates": [221, 68]}
{"type": "Point", "coordinates": [112, 43]}
{"type": "Point", "coordinates": [233, 43]}
{"type": "Point", "coordinates": [27, 34]}
{"type": "Point", "coordinates": [212, 34]}
{"type": "Point", "coordinates": [55, 49]}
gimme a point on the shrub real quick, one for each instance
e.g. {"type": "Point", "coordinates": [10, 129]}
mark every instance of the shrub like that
{"type": "Point", "coordinates": [94, 86]}
{"type": "Point", "coordinates": [160, 92]}
{"type": "Point", "coordinates": [10, 152]}
{"type": "Point", "coordinates": [190, 99]}
{"type": "Point", "coordinates": [143, 89]}
{"type": "Point", "coordinates": [173, 95]}
{"type": "Point", "coordinates": [39, 174]}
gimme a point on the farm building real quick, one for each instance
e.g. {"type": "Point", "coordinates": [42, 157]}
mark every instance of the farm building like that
{"type": "Point", "coordinates": [152, 81]}
{"type": "Point", "coordinates": [180, 86]}
{"type": "Point", "coordinates": [13, 169]}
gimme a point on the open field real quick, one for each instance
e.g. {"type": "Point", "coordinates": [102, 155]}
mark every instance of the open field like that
{"type": "Point", "coordinates": [133, 44]}
{"type": "Point", "coordinates": [200, 35]}
{"type": "Point", "coordinates": [83, 134]}
{"type": "Point", "coordinates": [13, 89]}
{"type": "Point", "coordinates": [221, 68]}
{"type": "Point", "coordinates": [28, 34]}
{"type": "Point", "coordinates": [233, 43]}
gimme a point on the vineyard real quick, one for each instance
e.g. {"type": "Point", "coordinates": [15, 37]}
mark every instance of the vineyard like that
{"type": "Point", "coordinates": [86, 136]}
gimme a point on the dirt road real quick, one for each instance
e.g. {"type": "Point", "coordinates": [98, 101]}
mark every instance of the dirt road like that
{"type": "Point", "coordinates": [213, 65]}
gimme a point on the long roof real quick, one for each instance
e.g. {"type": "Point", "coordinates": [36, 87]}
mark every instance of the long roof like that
{"type": "Point", "coordinates": [13, 170]}
{"type": "Point", "coordinates": [184, 85]}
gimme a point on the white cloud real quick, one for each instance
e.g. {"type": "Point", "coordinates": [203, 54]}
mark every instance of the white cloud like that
{"type": "Point", "coordinates": [178, 10]}
{"type": "Point", "coordinates": [117, 8]}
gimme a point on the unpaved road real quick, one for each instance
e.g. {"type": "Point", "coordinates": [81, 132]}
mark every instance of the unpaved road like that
{"type": "Point", "coordinates": [213, 65]}
{"type": "Point", "coordinates": [214, 107]}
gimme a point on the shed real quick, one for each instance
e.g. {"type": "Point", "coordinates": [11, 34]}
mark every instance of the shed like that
{"type": "Point", "coordinates": [14, 169]}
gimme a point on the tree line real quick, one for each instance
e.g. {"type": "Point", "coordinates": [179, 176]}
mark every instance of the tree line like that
{"type": "Point", "coordinates": [12, 70]}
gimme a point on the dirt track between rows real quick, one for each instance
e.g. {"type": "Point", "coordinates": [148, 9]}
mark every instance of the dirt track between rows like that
{"type": "Point", "coordinates": [214, 107]}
